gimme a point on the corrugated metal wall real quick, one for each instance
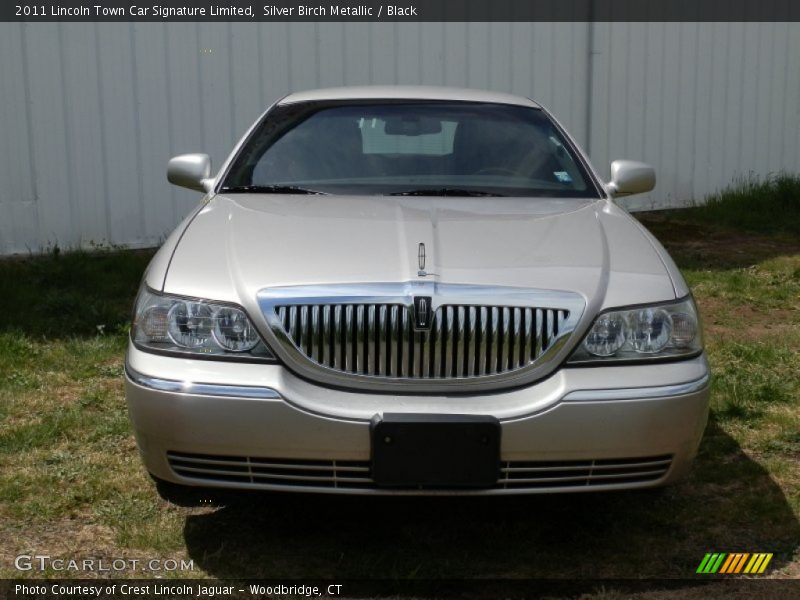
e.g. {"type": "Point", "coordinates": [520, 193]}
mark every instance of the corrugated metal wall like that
{"type": "Point", "coordinates": [90, 113]}
{"type": "Point", "coordinates": [703, 102]}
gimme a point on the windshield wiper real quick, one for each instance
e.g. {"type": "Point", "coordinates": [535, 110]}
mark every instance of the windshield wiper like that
{"type": "Point", "coordinates": [268, 189]}
{"type": "Point", "coordinates": [445, 191]}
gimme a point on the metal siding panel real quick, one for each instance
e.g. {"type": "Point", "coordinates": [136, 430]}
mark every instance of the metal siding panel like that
{"type": "Point", "coordinates": [541, 64]}
{"type": "Point", "coordinates": [619, 115]}
{"type": "Point", "coordinates": [686, 110]}
{"type": "Point", "coordinates": [652, 132]}
{"type": "Point", "coordinates": [216, 85]}
{"type": "Point", "coordinates": [154, 114]}
{"type": "Point", "coordinates": [331, 64]}
{"type": "Point", "coordinates": [563, 47]}
{"type": "Point", "coordinates": [499, 59]}
{"type": "Point", "coordinates": [384, 47]}
{"type": "Point", "coordinates": [409, 57]}
{"type": "Point", "coordinates": [777, 96]}
{"type": "Point", "coordinates": [717, 122]}
{"type": "Point", "coordinates": [456, 42]}
{"type": "Point", "coordinates": [432, 68]}
{"type": "Point", "coordinates": [667, 116]}
{"type": "Point", "coordinates": [703, 107]}
{"type": "Point", "coordinates": [761, 163]}
{"type": "Point", "coordinates": [303, 49]}
{"type": "Point", "coordinates": [749, 77]}
{"type": "Point", "coordinates": [91, 121]}
{"type": "Point", "coordinates": [355, 60]}
{"type": "Point", "coordinates": [578, 81]}
{"type": "Point", "coordinates": [732, 133]}
{"type": "Point", "coordinates": [520, 60]}
{"type": "Point", "coordinates": [599, 99]}
{"type": "Point", "coordinates": [792, 115]}
{"type": "Point", "coordinates": [81, 98]}
{"type": "Point", "coordinates": [48, 135]}
{"type": "Point", "coordinates": [18, 203]}
{"type": "Point", "coordinates": [245, 66]}
{"type": "Point", "coordinates": [478, 66]}
{"type": "Point", "coordinates": [120, 131]}
{"type": "Point", "coordinates": [634, 87]}
{"type": "Point", "coordinates": [276, 79]}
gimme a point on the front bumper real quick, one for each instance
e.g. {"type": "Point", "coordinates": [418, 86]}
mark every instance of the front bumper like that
{"type": "Point", "coordinates": [257, 426]}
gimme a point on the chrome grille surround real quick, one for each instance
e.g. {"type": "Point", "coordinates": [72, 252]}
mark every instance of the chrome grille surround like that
{"type": "Point", "coordinates": [355, 475]}
{"type": "Point", "coordinates": [365, 336]}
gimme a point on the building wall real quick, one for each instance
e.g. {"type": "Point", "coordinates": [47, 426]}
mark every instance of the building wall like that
{"type": "Point", "coordinates": [90, 113]}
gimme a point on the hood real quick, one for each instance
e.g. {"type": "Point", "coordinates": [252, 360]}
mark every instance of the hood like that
{"type": "Point", "coordinates": [239, 244]}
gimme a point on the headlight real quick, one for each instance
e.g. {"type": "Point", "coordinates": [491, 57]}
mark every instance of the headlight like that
{"type": "Point", "coordinates": [642, 333]}
{"type": "Point", "coordinates": [195, 327]}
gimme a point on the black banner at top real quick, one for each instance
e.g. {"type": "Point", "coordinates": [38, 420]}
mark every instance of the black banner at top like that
{"type": "Point", "coordinates": [403, 10]}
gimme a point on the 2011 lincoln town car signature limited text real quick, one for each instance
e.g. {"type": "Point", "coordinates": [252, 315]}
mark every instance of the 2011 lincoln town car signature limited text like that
{"type": "Point", "coordinates": [400, 290]}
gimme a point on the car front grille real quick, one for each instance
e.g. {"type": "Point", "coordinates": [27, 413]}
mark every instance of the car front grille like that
{"type": "Point", "coordinates": [243, 471]}
{"type": "Point", "coordinates": [381, 340]}
{"type": "Point", "coordinates": [420, 336]}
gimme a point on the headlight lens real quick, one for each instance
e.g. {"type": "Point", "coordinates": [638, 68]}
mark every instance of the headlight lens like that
{"type": "Point", "coordinates": [606, 336]}
{"type": "Point", "coordinates": [233, 330]}
{"type": "Point", "coordinates": [650, 330]}
{"type": "Point", "coordinates": [642, 333]}
{"type": "Point", "coordinates": [190, 324]}
{"type": "Point", "coordinates": [195, 327]}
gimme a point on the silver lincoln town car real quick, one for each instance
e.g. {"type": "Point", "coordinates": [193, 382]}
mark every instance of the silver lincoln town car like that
{"type": "Point", "coordinates": [413, 290]}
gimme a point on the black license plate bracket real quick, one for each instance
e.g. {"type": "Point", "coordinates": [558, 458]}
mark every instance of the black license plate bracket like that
{"type": "Point", "coordinates": [424, 451]}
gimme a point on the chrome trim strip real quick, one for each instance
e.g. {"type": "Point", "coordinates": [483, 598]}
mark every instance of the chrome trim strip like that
{"type": "Point", "coordinates": [640, 393]}
{"type": "Point", "coordinates": [201, 389]}
{"type": "Point", "coordinates": [383, 377]}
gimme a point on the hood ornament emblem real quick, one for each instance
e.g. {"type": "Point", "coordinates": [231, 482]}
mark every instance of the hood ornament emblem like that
{"type": "Point", "coordinates": [421, 258]}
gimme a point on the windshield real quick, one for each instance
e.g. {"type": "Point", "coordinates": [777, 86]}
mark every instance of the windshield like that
{"type": "Point", "coordinates": [415, 148]}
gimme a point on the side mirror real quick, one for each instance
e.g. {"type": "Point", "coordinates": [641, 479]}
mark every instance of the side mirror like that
{"type": "Point", "coordinates": [191, 171]}
{"type": "Point", "coordinates": [631, 177]}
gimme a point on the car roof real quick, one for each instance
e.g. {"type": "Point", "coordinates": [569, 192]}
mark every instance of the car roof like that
{"type": "Point", "coordinates": [407, 92]}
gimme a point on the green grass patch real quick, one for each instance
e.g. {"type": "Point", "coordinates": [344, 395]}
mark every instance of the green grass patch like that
{"type": "Point", "coordinates": [752, 377]}
{"type": "Point", "coordinates": [770, 205]}
{"type": "Point", "coordinates": [771, 284]}
{"type": "Point", "coordinates": [69, 293]}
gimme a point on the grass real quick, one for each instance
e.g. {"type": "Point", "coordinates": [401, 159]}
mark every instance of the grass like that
{"type": "Point", "coordinates": [769, 205]}
{"type": "Point", "coordinates": [71, 483]}
{"type": "Point", "coordinates": [71, 293]}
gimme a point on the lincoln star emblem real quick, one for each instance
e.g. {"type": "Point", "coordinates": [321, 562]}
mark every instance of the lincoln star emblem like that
{"type": "Point", "coordinates": [421, 257]}
{"type": "Point", "coordinates": [422, 312]}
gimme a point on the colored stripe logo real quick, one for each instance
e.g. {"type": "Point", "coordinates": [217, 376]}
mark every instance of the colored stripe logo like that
{"type": "Point", "coordinates": [735, 562]}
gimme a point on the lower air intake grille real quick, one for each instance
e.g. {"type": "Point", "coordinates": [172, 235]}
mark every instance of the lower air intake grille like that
{"type": "Point", "coordinates": [572, 473]}
{"type": "Point", "coordinates": [288, 472]}
{"type": "Point", "coordinates": [349, 474]}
